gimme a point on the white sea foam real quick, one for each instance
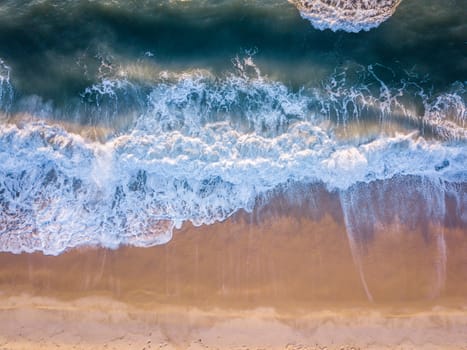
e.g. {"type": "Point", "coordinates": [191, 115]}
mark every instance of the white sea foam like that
{"type": "Point", "coordinates": [443, 114]}
{"type": "Point", "coordinates": [347, 15]}
{"type": "Point", "coordinates": [203, 148]}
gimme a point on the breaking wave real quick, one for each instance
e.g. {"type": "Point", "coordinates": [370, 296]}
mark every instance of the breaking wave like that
{"type": "Point", "coordinates": [350, 16]}
{"type": "Point", "coordinates": [200, 148]}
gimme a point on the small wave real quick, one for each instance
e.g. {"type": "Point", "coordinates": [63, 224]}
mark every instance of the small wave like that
{"type": "Point", "coordinates": [352, 94]}
{"type": "Point", "coordinates": [350, 16]}
{"type": "Point", "coordinates": [406, 99]}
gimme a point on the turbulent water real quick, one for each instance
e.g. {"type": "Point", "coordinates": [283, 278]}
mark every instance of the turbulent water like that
{"type": "Point", "coordinates": [352, 16]}
{"type": "Point", "coordinates": [121, 120]}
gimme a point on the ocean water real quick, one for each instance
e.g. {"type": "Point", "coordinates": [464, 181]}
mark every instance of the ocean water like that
{"type": "Point", "coordinates": [122, 120]}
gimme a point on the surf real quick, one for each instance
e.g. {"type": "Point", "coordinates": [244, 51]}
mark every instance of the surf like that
{"type": "Point", "coordinates": [198, 148]}
{"type": "Point", "coordinates": [349, 16]}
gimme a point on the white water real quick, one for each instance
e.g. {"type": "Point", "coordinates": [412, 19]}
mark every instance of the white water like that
{"type": "Point", "coordinates": [349, 16]}
{"type": "Point", "coordinates": [202, 149]}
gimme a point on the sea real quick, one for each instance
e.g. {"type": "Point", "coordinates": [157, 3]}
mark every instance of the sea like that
{"type": "Point", "coordinates": [123, 120]}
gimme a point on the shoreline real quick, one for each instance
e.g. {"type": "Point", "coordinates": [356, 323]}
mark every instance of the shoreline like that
{"type": "Point", "coordinates": [282, 277]}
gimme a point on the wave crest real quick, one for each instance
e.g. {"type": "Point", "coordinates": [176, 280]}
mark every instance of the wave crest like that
{"type": "Point", "coordinates": [348, 15]}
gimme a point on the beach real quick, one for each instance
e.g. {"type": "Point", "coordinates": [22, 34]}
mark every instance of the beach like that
{"type": "Point", "coordinates": [272, 279]}
{"type": "Point", "coordinates": [100, 323]}
{"type": "Point", "coordinates": [232, 174]}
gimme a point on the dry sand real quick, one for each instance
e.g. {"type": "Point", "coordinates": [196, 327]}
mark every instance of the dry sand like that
{"type": "Point", "coordinates": [276, 279]}
{"type": "Point", "coordinates": [101, 323]}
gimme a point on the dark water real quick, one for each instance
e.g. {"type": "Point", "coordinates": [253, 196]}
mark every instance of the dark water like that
{"type": "Point", "coordinates": [55, 48]}
{"type": "Point", "coordinates": [123, 115]}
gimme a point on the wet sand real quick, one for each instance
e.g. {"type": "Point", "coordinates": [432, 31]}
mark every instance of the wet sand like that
{"type": "Point", "coordinates": [275, 279]}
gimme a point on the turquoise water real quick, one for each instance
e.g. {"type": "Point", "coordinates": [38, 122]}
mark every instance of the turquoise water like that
{"type": "Point", "coordinates": [120, 116]}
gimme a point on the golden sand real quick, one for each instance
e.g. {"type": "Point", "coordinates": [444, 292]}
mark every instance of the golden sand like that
{"type": "Point", "coordinates": [283, 281]}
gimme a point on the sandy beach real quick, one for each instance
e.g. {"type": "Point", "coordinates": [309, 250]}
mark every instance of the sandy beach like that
{"type": "Point", "coordinates": [233, 174]}
{"type": "Point", "coordinates": [274, 279]}
{"type": "Point", "coordinates": [101, 323]}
